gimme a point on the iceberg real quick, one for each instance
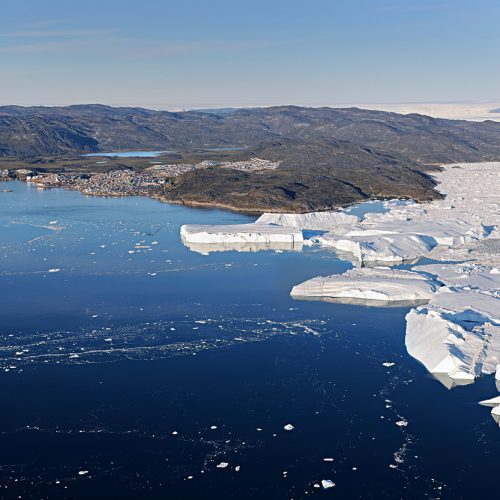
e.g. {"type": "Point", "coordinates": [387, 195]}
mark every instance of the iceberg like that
{"type": "Point", "coordinates": [494, 403]}
{"type": "Point", "coordinates": [456, 334]}
{"type": "Point", "coordinates": [391, 238]}
{"type": "Point", "coordinates": [240, 233]}
{"type": "Point", "coordinates": [380, 285]}
{"type": "Point", "coordinates": [319, 221]}
{"type": "Point", "coordinates": [380, 248]}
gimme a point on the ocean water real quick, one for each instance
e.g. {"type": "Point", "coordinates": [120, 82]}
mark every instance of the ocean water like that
{"type": "Point", "coordinates": [132, 367]}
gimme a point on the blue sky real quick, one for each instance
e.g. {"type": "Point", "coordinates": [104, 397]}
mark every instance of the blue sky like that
{"type": "Point", "coordinates": [215, 53]}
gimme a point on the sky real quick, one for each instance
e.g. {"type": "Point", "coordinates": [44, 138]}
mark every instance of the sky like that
{"type": "Point", "coordinates": [227, 53]}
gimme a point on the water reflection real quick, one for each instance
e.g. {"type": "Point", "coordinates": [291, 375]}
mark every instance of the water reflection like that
{"type": "Point", "coordinates": [207, 248]}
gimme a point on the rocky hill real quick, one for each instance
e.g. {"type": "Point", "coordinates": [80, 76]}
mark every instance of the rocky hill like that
{"type": "Point", "coordinates": [31, 131]}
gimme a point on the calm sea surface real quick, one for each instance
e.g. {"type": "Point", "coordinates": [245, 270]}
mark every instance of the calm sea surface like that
{"type": "Point", "coordinates": [132, 367]}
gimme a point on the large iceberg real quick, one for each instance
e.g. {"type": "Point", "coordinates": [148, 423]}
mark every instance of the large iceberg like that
{"type": "Point", "coordinates": [240, 233]}
{"type": "Point", "coordinates": [394, 238]}
{"type": "Point", "coordinates": [320, 221]}
{"type": "Point", "coordinates": [456, 334]}
{"type": "Point", "coordinates": [378, 248]}
{"type": "Point", "coordinates": [377, 285]}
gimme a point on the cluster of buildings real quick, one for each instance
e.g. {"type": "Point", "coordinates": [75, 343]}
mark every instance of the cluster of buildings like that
{"type": "Point", "coordinates": [174, 170]}
{"type": "Point", "coordinates": [128, 182]}
{"type": "Point", "coordinates": [115, 183]}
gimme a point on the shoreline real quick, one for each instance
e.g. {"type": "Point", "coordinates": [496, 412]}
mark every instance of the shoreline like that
{"type": "Point", "coordinates": [123, 190]}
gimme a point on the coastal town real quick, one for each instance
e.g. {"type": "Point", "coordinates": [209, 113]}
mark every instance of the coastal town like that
{"type": "Point", "coordinates": [128, 182]}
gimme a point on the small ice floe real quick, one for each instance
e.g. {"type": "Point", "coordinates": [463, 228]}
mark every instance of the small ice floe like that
{"type": "Point", "coordinates": [328, 459]}
{"type": "Point", "coordinates": [288, 427]}
{"type": "Point", "coordinates": [388, 364]}
{"type": "Point", "coordinates": [54, 270]}
{"type": "Point", "coordinates": [222, 465]}
{"type": "Point", "coordinates": [95, 315]}
{"type": "Point", "coordinates": [174, 433]}
{"type": "Point", "coordinates": [213, 427]}
{"type": "Point", "coordinates": [494, 403]}
{"type": "Point", "coordinates": [237, 468]}
{"type": "Point", "coordinates": [490, 402]}
{"type": "Point", "coordinates": [52, 222]}
{"type": "Point", "coordinates": [154, 243]}
{"type": "Point", "coordinates": [402, 423]}
{"type": "Point", "coordinates": [73, 356]}
{"type": "Point", "coordinates": [327, 484]}
{"type": "Point", "coordinates": [83, 472]}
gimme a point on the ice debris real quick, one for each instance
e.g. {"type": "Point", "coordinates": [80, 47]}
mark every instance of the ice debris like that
{"type": "Point", "coordinates": [327, 484]}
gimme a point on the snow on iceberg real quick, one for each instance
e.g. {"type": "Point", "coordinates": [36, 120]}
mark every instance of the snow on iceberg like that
{"type": "Point", "coordinates": [469, 275]}
{"type": "Point", "coordinates": [369, 284]}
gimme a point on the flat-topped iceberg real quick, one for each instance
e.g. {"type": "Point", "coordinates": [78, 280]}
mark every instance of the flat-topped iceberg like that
{"type": "Point", "coordinates": [320, 221]}
{"type": "Point", "coordinates": [390, 248]}
{"type": "Point", "coordinates": [369, 284]}
{"type": "Point", "coordinates": [240, 233]}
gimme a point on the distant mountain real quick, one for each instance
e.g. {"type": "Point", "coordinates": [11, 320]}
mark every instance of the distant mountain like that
{"type": "Point", "coordinates": [35, 131]}
{"type": "Point", "coordinates": [495, 110]}
{"type": "Point", "coordinates": [329, 157]}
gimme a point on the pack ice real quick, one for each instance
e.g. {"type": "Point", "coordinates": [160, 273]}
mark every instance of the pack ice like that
{"type": "Point", "coordinates": [456, 335]}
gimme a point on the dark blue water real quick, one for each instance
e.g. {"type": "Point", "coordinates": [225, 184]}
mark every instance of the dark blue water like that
{"type": "Point", "coordinates": [115, 369]}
